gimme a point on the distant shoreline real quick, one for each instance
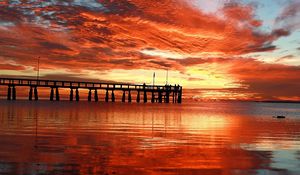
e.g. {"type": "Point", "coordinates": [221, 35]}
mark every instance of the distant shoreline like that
{"type": "Point", "coordinates": [263, 101]}
{"type": "Point", "coordinates": [270, 101]}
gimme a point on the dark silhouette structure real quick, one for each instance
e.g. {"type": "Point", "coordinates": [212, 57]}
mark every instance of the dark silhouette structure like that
{"type": "Point", "coordinates": [158, 94]}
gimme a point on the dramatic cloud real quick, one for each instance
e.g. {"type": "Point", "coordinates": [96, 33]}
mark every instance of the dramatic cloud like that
{"type": "Point", "coordinates": [100, 37]}
{"type": "Point", "coordinates": [11, 67]}
{"type": "Point", "coordinates": [289, 18]}
{"type": "Point", "coordinates": [257, 80]}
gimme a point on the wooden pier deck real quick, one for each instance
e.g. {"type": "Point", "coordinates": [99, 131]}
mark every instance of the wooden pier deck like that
{"type": "Point", "coordinates": [157, 93]}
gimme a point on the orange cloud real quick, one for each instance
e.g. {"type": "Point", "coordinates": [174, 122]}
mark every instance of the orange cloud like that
{"type": "Point", "coordinates": [81, 36]}
{"type": "Point", "coordinates": [259, 80]}
{"type": "Point", "coordinates": [11, 67]}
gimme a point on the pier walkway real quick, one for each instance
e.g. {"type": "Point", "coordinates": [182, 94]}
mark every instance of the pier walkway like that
{"type": "Point", "coordinates": [157, 94]}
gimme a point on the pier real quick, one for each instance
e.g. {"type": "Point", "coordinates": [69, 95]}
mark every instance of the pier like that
{"type": "Point", "coordinates": [145, 93]}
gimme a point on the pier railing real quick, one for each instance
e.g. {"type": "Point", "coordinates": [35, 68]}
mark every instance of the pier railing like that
{"type": "Point", "coordinates": [158, 93]}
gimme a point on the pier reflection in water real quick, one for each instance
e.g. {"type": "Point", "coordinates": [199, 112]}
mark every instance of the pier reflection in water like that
{"type": "Point", "coordinates": [113, 138]}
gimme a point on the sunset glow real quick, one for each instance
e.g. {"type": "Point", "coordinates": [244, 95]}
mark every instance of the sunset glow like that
{"type": "Point", "coordinates": [219, 49]}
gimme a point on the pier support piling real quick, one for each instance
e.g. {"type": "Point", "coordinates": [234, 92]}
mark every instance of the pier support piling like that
{"type": "Point", "coordinates": [90, 95]}
{"type": "Point", "coordinates": [113, 99]}
{"type": "Point", "coordinates": [145, 93]}
{"type": "Point", "coordinates": [14, 93]}
{"type": "Point", "coordinates": [51, 94]}
{"type": "Point", "coordinates": [180, 95]}
{"type": "Point", "coordinates": [123, 97]}
{"type": "Point", "coordinates": [159, 96]}
{"type": "Point", "coordinates": [57, 94]}
{"type": "Point", "coordinates": [77, 94]}
{"type": "Point", "coordinates": [138, 97]}
{"type": "Point", "coordinates": [96, 95]}
{"type": "Point", "coordinates": [9, 93]}
{"type": "Point", "coordinates": [71, 94]}
{"type": "Point", "coordinates": [145, 96]}
{"type": "Point", "coordinates": [167, 99]}
{"type": "Point", "coordinates": [30, 94]}
{"type": "Point", "coordinates": [173, 96]}
{"type": "Point", "coordinates": [129, 96]}
{"type": "Point", "coordinates": [176, 94]}
{"type": "Point", "coordinates": [106, 96]}
{"type": "Point", "coordinates": [36, 97]}
{"type": "Point", "coordinates": [153, 97]}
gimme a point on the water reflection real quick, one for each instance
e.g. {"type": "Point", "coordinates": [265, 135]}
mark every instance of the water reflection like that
{"type": "Point", "coordinates": [98, 138]}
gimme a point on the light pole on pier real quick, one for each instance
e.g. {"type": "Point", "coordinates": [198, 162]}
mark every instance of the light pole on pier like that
{"type": "Point", "coordinates": [167, 77]}
{"type": "Point", "coordinates": [153, 79]}
{"type": "Point", "coordinates": [38, 69]}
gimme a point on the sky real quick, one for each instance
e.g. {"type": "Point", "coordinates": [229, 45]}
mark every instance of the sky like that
{"type": "Point", "coordinates": [215, 49]}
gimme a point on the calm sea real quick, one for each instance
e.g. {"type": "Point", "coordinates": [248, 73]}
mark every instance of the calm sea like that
{"type": "Point", "coordinates": [105, 138]}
